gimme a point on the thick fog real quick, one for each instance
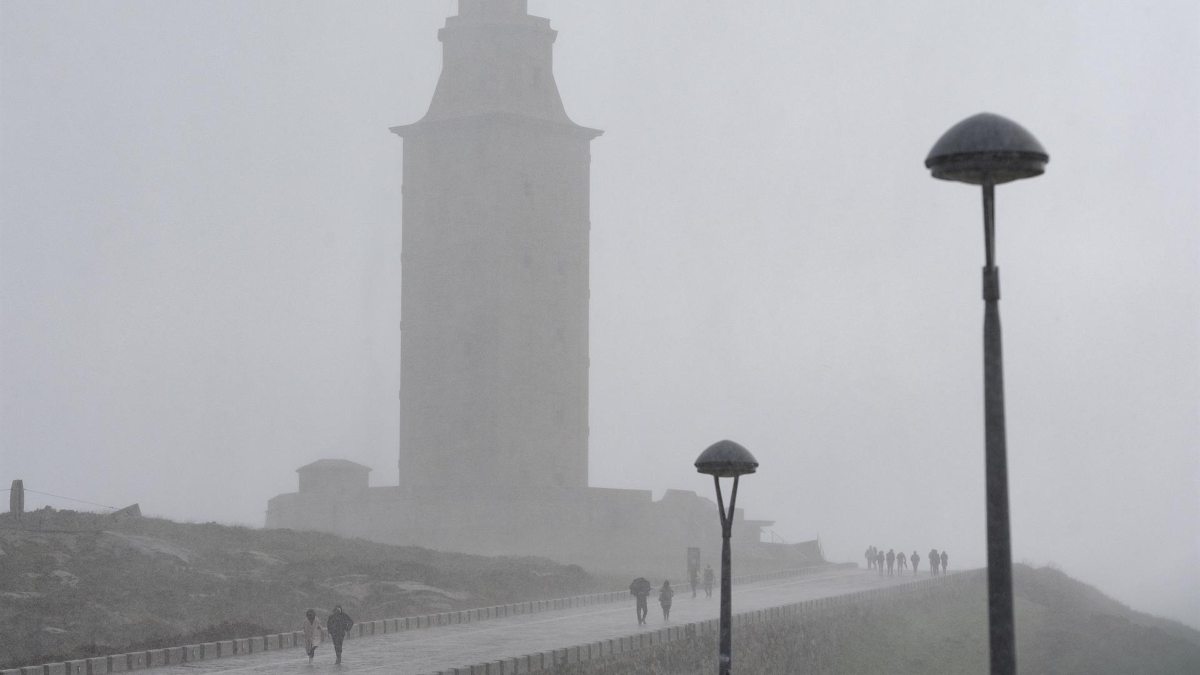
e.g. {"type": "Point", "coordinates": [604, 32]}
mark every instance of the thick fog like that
{"type": "Point", "coordinates": [200, 260]}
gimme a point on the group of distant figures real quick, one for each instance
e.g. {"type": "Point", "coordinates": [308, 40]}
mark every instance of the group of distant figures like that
{"type": "Point", "coordinates": [641, 588]}
{"type": "Point", "coordinates": [898, 562]}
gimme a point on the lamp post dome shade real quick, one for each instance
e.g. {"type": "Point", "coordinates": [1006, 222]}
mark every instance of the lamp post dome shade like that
{"type": "Point", "coordinates": [726, 459]}
{"type": "Point", "coordinates": [987, 148]}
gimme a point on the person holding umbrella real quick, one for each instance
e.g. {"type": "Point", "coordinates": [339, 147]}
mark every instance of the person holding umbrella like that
{"type": "Point", "coordinates": [640, 589]}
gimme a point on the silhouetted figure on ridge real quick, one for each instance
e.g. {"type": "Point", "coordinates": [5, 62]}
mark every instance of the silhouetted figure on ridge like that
{"type": "Point", "coordinates": [891, 561]}
{"type": "Point", "coordinates": [933, 561]}
{"type": "Point", "coordinates": [708, 580]}
{"type": "Point", "coordinates": [870, 557]}
{"type": "Point", "coordinates": [901, 562]}
{"type": "Point", "coordinates": [916, 561]}
{"type": "Point", "coordinates": [338, 624]}
{"type": "Point", "coordinates": [879, 562]}
{"type": "Point", "coordinates": [945, 559]}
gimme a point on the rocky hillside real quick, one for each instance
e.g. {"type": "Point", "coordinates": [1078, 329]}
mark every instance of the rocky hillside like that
{"type": "Point", "coordinates": [75, 584]}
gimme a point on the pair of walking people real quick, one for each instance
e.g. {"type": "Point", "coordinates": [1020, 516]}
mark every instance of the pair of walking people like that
{"type": "Point", "coordinates": [694, 578]}
{"type": "Point", "coordinates": [640, 589]}
{"type": "Point", "coordinates": [337, 625]}
{"type": "Point", "coordinates": [935, 559]}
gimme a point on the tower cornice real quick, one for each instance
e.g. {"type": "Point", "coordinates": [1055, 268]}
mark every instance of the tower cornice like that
{"type": "Point", "coordinates": [497, 61]}
{"type": "Point", "coordinates": [456, 124]}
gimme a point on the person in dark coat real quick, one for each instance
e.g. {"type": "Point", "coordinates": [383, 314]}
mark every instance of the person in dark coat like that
{"type": "Point", "coordinates": [916, 562]}
{"type": "Point", "coordinates": [338, 624]}
{"type": "Point", "coordinates": [879, 562]}
{"type": "Point", "coordinates": [708, 580]}
{"type": "Point", "coordinates": [945, 559]}
{"type": "Point", "coordinates": [870, 557]}
{"type": "Point", "coordinates": [891, 560]}
{"type": "Point", "coordinates": [901, 562]}
{"type": "Point", "coordinates": [664, 598]}
{"type": "Point", "coordinates": [640, 589]}
{"type": "Point", "coordinates": [933, 561]}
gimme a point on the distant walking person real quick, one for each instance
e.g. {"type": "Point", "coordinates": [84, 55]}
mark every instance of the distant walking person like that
{"type": "Point", "coordinates": [945, 559]}
{"type": "Point", "coordinates": [708, 580]}
{"type": "Point", "coordinates": [933, 561]}
{"type": "Point", "coordinates": [916, 560]}
{"type": "Point", "coordinates": [664, 598]}
{"type": "Point", "coordinates": [313, 633]}
{"type": "Point", "coordinates": [338, 624]}
{"type": "Point", "coordinates": [870, 557]}
{"type": "Point", "coordinates": [879, 562]}
{"type": "Point", "coordinates": [901, 562]}
{"type": "Point", "coordinates": [640, 589]}
{"type": "Point", "coordinates": [891, 561]}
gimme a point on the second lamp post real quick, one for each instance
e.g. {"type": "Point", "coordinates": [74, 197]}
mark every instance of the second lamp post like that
{"type": "Point", "coordinates": [726, 459]}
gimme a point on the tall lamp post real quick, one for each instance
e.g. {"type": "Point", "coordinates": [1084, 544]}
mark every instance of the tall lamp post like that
{"type": "Point", "coordinates": [988, 150]}
{"type": "Point", "coordinates": [726, 459]}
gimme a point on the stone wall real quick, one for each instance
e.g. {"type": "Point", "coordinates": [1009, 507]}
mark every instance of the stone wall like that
{"type": "Point", "coordinates": [603, 530]}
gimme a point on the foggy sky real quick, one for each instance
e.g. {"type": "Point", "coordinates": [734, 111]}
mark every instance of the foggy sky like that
{"type": "Point", "coordinates": [200, 249]}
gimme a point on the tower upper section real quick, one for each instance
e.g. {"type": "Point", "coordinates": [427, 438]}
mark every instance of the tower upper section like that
{"type": "Point", "coordinates": [497, 60]}
{"type": "Point", "coordinates": [494, 297]}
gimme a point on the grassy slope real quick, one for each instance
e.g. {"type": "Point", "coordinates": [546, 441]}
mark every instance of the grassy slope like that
{"type": "Point", "coordinates": [83, 579]}
{"type": "Point", "coordinates": [1063, 626]}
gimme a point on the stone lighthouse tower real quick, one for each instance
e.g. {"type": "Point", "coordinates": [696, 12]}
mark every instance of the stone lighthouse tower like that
{"type": "Point", "coordinates": [494, 352]}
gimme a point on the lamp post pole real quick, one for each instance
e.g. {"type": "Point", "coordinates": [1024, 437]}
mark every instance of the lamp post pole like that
{"type": "Point", "coordinates": [988, 150]}
{"type": "Point", "coordinates": [1001, 638]}
{"type": "Point", "coordinates": [726, 646]}
{"type": "Point", "coordinates": [726, 459]}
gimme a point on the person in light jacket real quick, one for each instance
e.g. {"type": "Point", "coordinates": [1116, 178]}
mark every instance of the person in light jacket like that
{"type": "Point", "coordinates": [314, 633]}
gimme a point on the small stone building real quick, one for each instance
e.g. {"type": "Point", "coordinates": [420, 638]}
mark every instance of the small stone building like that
{"type": "Point", "coordinates": [333, 477]}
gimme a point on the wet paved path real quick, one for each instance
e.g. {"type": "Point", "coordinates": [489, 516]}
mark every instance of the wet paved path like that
{"type": "Point", "coordinates": [431, 649]}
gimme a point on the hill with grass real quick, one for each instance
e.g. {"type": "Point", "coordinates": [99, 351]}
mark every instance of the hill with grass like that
{"type": "Point", "coordinates": [1064, 627]}
{"type": "Point", "coordinates": [79, 584]}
